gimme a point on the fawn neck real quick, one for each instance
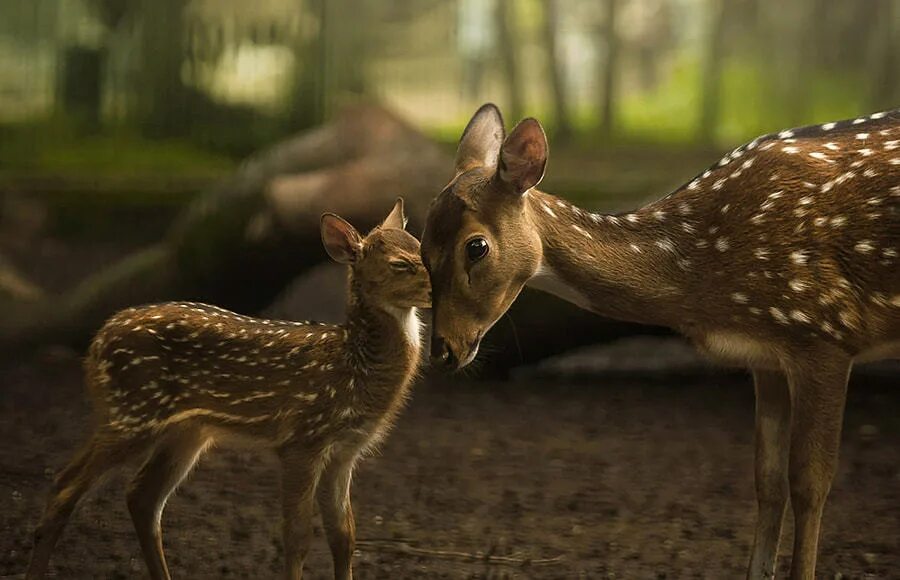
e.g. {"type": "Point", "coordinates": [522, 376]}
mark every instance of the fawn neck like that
{"type": "Point", "coordinates": [604, 263]}
{"type": "Point", "coordinates": [380, 337]}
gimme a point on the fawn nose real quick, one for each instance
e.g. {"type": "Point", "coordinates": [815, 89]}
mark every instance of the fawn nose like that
{"type": "Point", "coordinates": [441, 353]}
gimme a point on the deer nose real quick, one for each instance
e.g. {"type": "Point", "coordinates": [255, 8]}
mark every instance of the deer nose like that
{"type": "Point", "coordinates": [441, 353]}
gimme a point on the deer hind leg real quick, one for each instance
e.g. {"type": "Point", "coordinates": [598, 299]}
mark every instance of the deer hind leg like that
{"type": "Point", "coordinates": [172, 459]}
{"type": "Point", "coordinates": [337, 514]}
{"type": "Point", "coordinates": [299, 476]}
{"type": "Point", "coordinates": [773, 439]}
{"type": "Point", "coordinates": [819, 389]}
{"type": "Point", "coordinates": [103, 452]}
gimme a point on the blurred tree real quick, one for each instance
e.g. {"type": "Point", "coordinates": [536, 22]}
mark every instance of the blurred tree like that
{"type": "Point", "coordinates": [307, 108]}
{"type": "Point", "coordinates": [556, 67]}
{"type": "Point", "coordinates": [885, 55]}
{"type": "Point", "coordinates": [163, 100]}
{"type": "Point", "coordinates": [508, 44]}
{"type": "Point", "coordinates": [333, 61]}
{"type": "Point", "coordinates": [609, 68]}
{"type": "Point", "coordinates": [476, 34]}
{"type": "Point", "coordinates": [711, 74]}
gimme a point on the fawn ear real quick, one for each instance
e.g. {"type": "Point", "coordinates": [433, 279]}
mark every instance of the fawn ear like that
{"type": "Point", "coordinates": [342, 242]}
{"type": "Point", "coordinates": [523, 156]}
{"type": "Point", "coordinates": [480, 143]}
{"type": "Point", "coordinates": [396, 219]}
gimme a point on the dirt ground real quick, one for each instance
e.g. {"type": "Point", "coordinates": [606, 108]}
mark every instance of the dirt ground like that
{"type": "Point", "coordinates": [621, 480]}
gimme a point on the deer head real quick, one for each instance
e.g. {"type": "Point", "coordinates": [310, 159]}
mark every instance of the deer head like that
{"type": "Point", "coordinates": [385, 266]}
{"type": "Point", "coordinates": [479, 244]}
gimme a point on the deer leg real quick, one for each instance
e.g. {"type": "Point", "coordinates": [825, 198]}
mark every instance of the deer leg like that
{"type": "Point", "coordinates": [298, 489]}
{"type": "Point", "coordinates": [773, 436]}
{"type": "Point", "coordinates": [819, 390]}
{"type": "Point", "coordinates": [337, 514]}
{"type": "Point", "coordinates": [172, 459]}
{"type": "Point", "coordinates": [103, 452]}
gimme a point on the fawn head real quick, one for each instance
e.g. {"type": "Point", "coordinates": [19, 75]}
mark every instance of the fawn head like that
{"type": "Point", "coordinates": [479, 244]}
{"type": "Point", "coordinates": [385, 265]}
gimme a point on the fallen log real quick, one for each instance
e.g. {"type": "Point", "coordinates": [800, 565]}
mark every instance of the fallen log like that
{"type": "Point", "coordinates": [240, 243]}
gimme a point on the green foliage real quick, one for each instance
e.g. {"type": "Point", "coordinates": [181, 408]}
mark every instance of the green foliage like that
{"type": "Point", "coordinates": [54, 148]}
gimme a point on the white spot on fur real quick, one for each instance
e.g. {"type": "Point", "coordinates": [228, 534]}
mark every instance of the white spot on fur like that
{"type": "Point", "coordinates": [582, 231]}
{"type": "Point", "coordinates": [799, 257]}
{"type": "Point", "coordinates": [665, 244]}
{"type": "Point", "coordinates": [864, 246]}
{"type": "Point", "coordinates": [798, 285]}
{"type": "Point", "coordinates": [778, 315]}
{"type": "Point", "coordinates": [739, 297]}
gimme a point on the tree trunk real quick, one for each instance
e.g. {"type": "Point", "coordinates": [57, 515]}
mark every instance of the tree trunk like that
{"type": "Point", "coordinates": [162, 97]}
{"type": "Point", "coordinates": [712, 71]}
{"type": "Point", "coordinates": [556, 70]}
{"type": "Point", "coordinates": [609, 72]}
{"type": "Point", "coordinates": [506, 43]}
{"type": "Point", "coordinates": [885, 58]}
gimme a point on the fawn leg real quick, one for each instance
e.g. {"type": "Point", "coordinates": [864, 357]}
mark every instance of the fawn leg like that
{"type": "Point", "coordinates": [299, 475]}
{"type": "Point", "coordinates": [819, 389]}
{"type": "Point", "coordinates": [172, 459]}
{"type": "Point", "coordinates": [773, 439]}
{"type": "Point", "coordinates": [103, 452]}
{"type": "Point", "coordinates": [337, 514]}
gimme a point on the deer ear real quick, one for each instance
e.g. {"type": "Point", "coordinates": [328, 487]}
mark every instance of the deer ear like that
{"type": "Point", "coordinates": [396, 219]}
{"type": "Point", "coordinates": [341, 240]}
{"type": "Point", "coordinates": [523, 156]}
{"type": "Point", "coordinates": [480, 143]}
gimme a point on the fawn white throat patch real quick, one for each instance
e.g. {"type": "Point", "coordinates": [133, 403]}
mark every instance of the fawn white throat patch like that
{"type": "Point", "coordinates": [412, 325]}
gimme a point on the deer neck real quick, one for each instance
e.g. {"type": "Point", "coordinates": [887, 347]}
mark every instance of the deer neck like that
{"type": "Point", "coordinates": [382, 339]}
{"type": "Point", "coordinates": [622, 267]}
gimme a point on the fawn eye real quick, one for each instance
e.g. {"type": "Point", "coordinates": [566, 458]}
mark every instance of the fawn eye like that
{"type": "Point", "coordinates": [476, 249]}
{"type": "Point", "coordinates": [402, 266]}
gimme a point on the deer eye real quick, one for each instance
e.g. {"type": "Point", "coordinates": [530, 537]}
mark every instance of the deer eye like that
{"type": "Point", "coordinates": [476, 249]}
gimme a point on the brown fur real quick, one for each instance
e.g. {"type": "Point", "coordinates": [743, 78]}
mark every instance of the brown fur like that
{"type": "Point", "coordinates": [783, 257]}
{"type": "Point", "coordinates": [168, 380]}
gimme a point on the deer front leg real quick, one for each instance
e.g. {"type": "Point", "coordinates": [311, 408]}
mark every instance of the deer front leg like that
{"type": "Point", "coordinates": [819, 389]}
{"type": "Point", "coordinates": [337, 513]}
{"type": "Point", "coordinates": [299, 475]}
{"type": "Point", "coordinates": [773, 439]}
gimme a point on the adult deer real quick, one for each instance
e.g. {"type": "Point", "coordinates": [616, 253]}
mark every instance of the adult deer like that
{"type": "Point", "coordinates": [168, 380]}
{"type": "Point", "coordinates": [782, 257]}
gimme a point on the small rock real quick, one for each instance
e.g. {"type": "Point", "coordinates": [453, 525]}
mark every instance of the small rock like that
{"type": "Point", "coordinates": [870, 558]}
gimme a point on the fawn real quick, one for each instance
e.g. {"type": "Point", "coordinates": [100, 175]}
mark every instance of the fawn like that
{"type": "Point", "coordinates": [783, 257]}
{"type": "Point", "coordinates": [171, 379]}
